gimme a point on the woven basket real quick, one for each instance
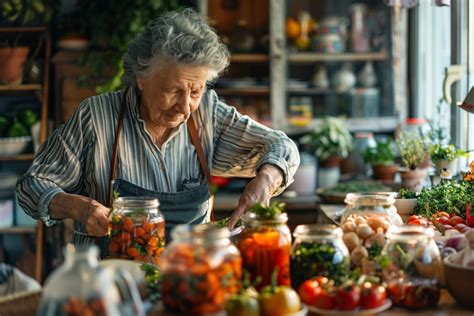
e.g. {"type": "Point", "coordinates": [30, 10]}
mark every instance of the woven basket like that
{"type": "Point", "coordinates": [20, 304]}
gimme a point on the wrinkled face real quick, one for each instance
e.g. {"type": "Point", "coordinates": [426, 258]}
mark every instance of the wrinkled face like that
{"type": "Point", "coordinates": [171, 93]}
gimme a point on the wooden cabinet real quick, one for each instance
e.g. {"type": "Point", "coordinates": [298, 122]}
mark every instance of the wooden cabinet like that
{"type": "Point", "coordinates": [39, 41]}
{"type": "Point", "coordinates": [289, 69]}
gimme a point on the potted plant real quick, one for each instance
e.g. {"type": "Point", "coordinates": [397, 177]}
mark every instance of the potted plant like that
{"type": "Point", "coordinates": [110, 26]}
{"type": "Point", "coordinates": [411, 146]}
{"type": "Point", "coordinates": [13, 51]}
{"type": "Point", "coordinates": [445, 157]}
{"type": "Point", "coordinates": [331, 142]}
{"type": "Point", "coordinates": [382, 159]}
{"type": "Point", "coordinates": [405, 202]}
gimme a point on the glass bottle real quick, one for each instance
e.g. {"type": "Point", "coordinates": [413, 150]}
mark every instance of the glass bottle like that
{"type": "Point", "coordinates": [318, 250]}
{"type": "Point", "coordinates": [200, 269]}
{"type": "Point", "coordinates": [137, 229]}
{"type": "Point", "coordinates": [365, 221]}
{"type": "Point", "coordinates": [414, 268]}
{"type": "Point", "coordinates": [81, 287]}
{"type": "Point", "coordinates": [265, 246]}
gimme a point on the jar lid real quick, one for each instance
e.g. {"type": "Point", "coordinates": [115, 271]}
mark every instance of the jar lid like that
{"type": "Point", "coordinates": [370, 198]}
{"type": "Point", "coordinates": [136, 202]}
{"type": "Point", "coordinates": [318, 231]}
{"type": "Point", "coordinates": [208, 231]}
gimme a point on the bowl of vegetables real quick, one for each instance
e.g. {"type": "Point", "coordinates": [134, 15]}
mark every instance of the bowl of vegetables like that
{"type": "Point", "coordinates": [459, 273]}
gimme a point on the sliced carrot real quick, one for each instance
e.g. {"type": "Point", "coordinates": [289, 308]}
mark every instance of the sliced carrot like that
{"type": "Point", "coordinates": [128, 224]}
{"type": "Point", "coordinates": [125, 236]}
{"type": "Point", "coordinates": [133, 252]}
{"type": "Point", "coordinates": [139, 232]}
{"type": "Point", "coordinates": [153, 241]}
{"type": "Point", "coordinates": [148, 227]}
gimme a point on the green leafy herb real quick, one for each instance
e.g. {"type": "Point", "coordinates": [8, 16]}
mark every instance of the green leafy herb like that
{"type": "Point", "coordinates": [270, 212]}
{"type": "Point", "coordinates": [153, 280]}
{"type": "Point", "coordinates": [406, 194]}
{"type": "Point", "coordinates": [382, 154]}
{"type": "Point", "coordinates": [450, 197]}
{"type": "Point", "coordinates": [225, 222]}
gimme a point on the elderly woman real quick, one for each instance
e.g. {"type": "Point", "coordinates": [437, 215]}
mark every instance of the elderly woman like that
{"type": "Point", "coordinates": [139, 141]}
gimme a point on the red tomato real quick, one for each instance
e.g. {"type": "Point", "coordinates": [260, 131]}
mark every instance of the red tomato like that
{"type": "Point", "coordinates": [413, 217]}
{"type": "Point", "coordinates": [309, 290]}
{"type": "Point", "coordinates": [441, 214]}
{"type": "Point", "coordinates": [372, 295]}
{"type": "Point", "coordinates": [420, 222]}
{"type": "Point", "coordinates": [396, 290]}
{"type": "Point", "coordinates": [444, 220]}
{"type": "Point", "coordinates": [457, 220]}
{"type": "Point", "coordinates": [324, 300]}
{"type": "Point", "coordinates": [347, 297]}
{"type": "Point", "coordinates": [321, 280]}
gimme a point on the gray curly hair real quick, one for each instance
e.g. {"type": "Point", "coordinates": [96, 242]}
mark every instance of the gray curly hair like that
{"type": "Point", "coordinates": [183, 37]}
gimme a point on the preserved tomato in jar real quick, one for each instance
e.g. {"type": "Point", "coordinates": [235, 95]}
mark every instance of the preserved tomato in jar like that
{"type": "Point", "coordinates": [265, 245]}
{"type": "Point", "coordinates": [200, 269]}
{"type": "Point", "coordinates": [137, 229]}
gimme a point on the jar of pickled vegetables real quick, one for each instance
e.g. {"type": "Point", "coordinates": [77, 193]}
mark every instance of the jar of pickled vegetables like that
{"type": "Point", "coordinates": [137, 229]}
{"type": "Point", "coordinates": [200, 269]}
{"type": "Point", "coordinates": [265, 245]}
{"type": "Point", "coordinates": [80, 286]}
{"type": "Point", "coordinates": [318, 250]}
{"type": "Point", "coordinates": [414, 268]}
{"type": "Point", "coordinates": [365, 221]}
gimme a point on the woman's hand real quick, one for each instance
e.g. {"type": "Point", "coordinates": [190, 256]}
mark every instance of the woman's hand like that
{"type": "Point", "coordinates": [91, 213]}
{"type": "Point", "coordinates": [259, 190]}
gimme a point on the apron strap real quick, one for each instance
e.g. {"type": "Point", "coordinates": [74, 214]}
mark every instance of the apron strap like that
{"type": "Point", "coordinates": [193, 133]}
{"type": "Point", "coordinates": [194, 140]}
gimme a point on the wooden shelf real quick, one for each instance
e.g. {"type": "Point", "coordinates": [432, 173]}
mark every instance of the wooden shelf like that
{"type": "Point", "coordinates": [22, 87]}
{"type": "Point", "coordinates": [247, 91]}
{"type": "Point", "coordinates": [18, 230]}
{"type": "Point", "coordinates": [315, 91]}
{"type": "Point", "coordinates": [249, 58]}
{"type": "Point", "coordinates": [326, 57]}
{"type": "Point", "coordinates": [374, 124]}
{"type": "Point", "coordinates": [23, 29]}
{"type": "Point", "coordinates": [22, 157]}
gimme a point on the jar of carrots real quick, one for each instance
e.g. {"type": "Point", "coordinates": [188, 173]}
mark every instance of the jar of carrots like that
{"type": "Point", "coordinates": [200, 269]}
{"type": "Point", "coordinates": [265, 245]}
{"type": "Point", "coordinates": [137, 229]}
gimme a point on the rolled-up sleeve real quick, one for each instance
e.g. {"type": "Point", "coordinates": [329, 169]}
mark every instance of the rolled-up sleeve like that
{"type": "Point", "coordinates": [57, 166]}
{"type": "Point", "coordinates": [242, 146]}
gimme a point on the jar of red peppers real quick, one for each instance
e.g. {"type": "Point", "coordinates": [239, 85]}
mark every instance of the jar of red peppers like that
{"type": "Point", "coordinates": [413, 266]}
{"type": "Point", "coordinates": [265, 245]}
{"type": "Point", "coordinates": [137, 229]}
{"type": "Point", "coordinates": [200, 269]}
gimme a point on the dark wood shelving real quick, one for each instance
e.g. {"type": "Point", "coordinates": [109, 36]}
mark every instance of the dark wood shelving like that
{"type": "Point", "coordinates": [21, 87]}
{"type": "Point", "coordinates": [325, 57]}
{"type": "Point", "coordinates": [22, 157]}
{"type": "Point", "coordinates": [249, 58]}
{"type": "Point", "coordinates": [247, 91]}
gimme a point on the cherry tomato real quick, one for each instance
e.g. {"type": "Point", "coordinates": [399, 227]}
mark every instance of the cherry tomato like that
{"type": "Point", "coordinates": [279, 300]}
{"type": "Point", "coordinates": [324, 300]}
{"type": "Point", "coordinates": [413, 217]}
{"type": "Point", "coordinates": [456, 220]}
{"type": "Point", "coordinates": [441, 214]}
{"type": "Point", "coordinates": [372, 295]}
{"type": "Point", "coordinates": [309, 290]}
{"type": "Point", "coordinates": [347, 297]}
{"type": "Point", "coordinates": [420, 222]}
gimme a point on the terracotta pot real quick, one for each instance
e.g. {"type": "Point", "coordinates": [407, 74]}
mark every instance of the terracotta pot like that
{"type": "Point", "coordinates": [12, 61]}
{"type": "Point", "coordinates": [385, 172]}
{"type": "Point", "coordinates": [412, 179]}
{"type": "Point", "coordinates": [331, 162]}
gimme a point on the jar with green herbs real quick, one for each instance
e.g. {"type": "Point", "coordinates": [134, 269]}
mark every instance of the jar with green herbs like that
{"type": "Point", "coordinates": [413, 268]}
{"type": "Point", "coordinates": [365, 221]}
{"type": "Point", "coordinates": [318, 250]}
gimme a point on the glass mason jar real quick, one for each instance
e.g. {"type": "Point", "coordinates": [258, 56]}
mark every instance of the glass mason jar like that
{"type": "Point", "coordinates": [137, 229]}
{"type": "Point", "coordinates": [318, 250]}
{"type": "Point", "coordinates": [414, 266]}
{"type": "Point", "coordinates": [81, 287]}
{"type": "Point", "coordinates": [200, 269]}
{"type": "Point", "coordinates": [265, 245]}
{"type": "Point", "coordinates": [365, 221]}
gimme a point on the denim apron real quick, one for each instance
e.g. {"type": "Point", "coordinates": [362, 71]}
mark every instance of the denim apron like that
{"type": "Point", "coordinates": [192, 206]}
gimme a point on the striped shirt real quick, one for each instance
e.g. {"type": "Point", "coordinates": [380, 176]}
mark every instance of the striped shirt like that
{"type": "Point", "coordinates": [76, 158]}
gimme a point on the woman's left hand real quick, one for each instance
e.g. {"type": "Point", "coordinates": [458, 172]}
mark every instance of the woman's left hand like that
{"type": "Point", "coordinates": [259, 190]}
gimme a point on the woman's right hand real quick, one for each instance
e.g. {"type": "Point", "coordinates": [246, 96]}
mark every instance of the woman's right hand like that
{"type": "Point", "coordinates": [95, 218]}
{"type": "Point", "coordinates": [93, 215]}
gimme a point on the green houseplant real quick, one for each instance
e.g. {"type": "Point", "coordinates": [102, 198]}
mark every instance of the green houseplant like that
{"type": "Point", "coordinates": [382, 159]}
{"type": "Point", "coordinates": [411, 146]}
{"type": "Point", "coordinates": [14, 46]}
{"type": "Point", "coordinates": [445, 156]}
{"type": "Point", "coordinates": [330, 140]}
{"type": "Point", "coordinates": [110, 26]}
